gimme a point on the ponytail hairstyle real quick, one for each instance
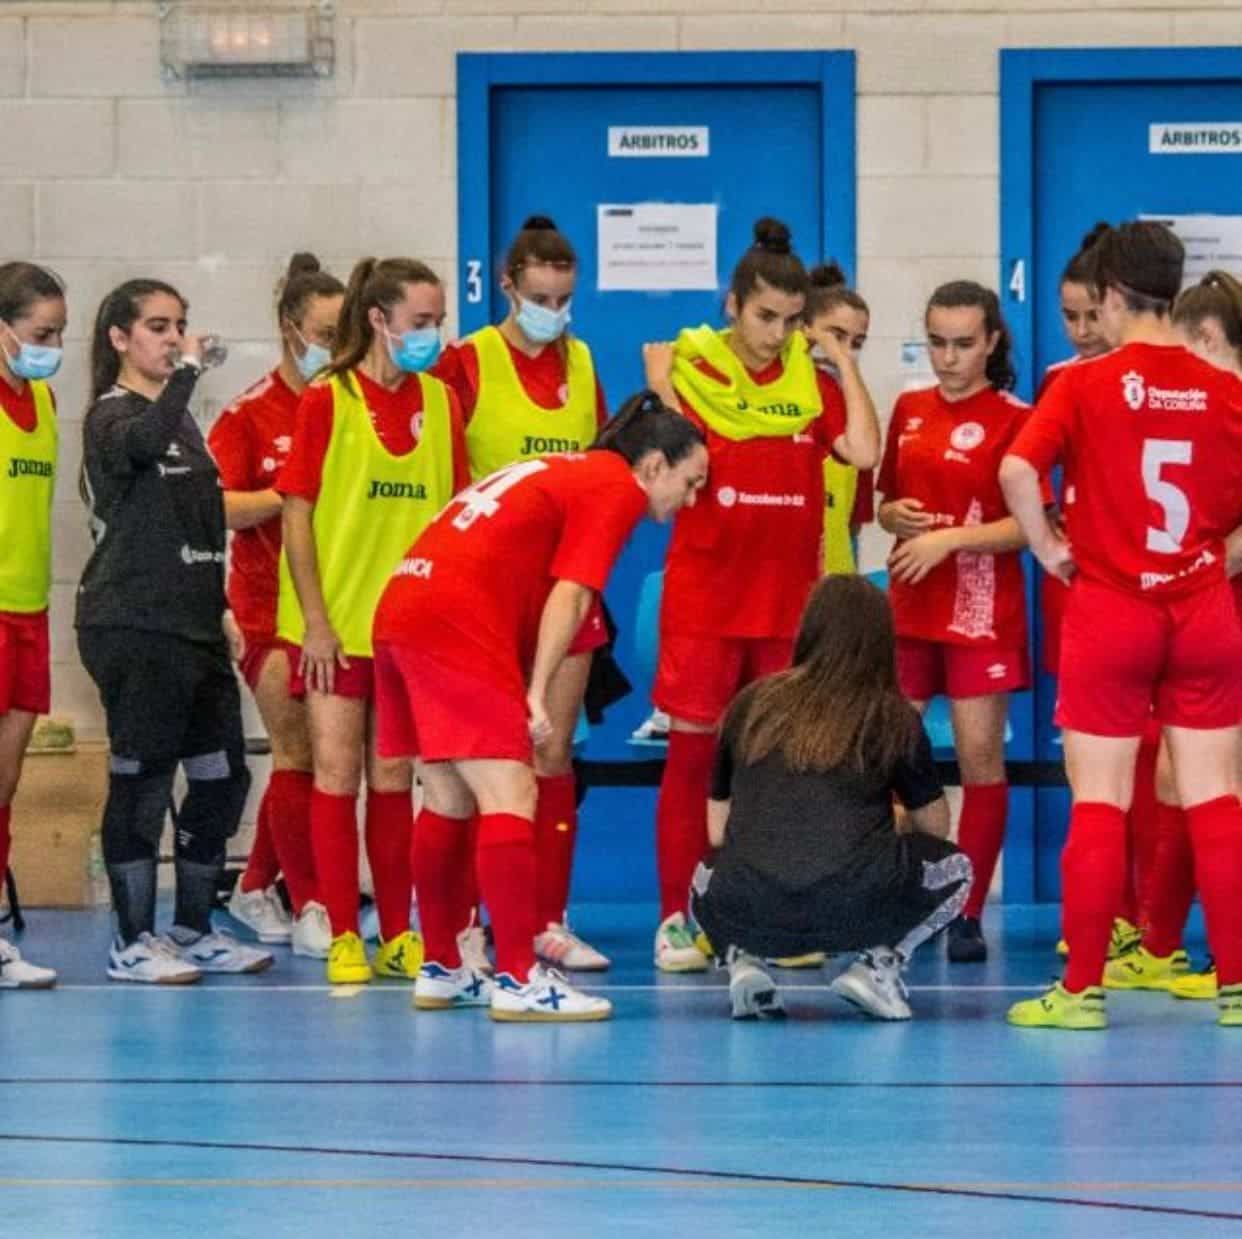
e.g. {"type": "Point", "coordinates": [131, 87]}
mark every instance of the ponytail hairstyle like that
{"type": "Point", "coordinates": [645, 424]}
{"type": "Point", "coordinates": [829, 289]}
{"type": "Point", "coordinates": [539, 243]}
{"type": "Point", "coordinates": [22, 284]}
{"type": "Point", "coordinates": [122, 307]}
{"type": "Point", "coordinates": [1218, 295]}
{"type": "Point", "coordinates": [960, 293]}
{"type": "Point", "coordinates": [303, 280]}
{"type": "Point", "coordinates": [769, 261]}
{"type": "Point", "coordinates": [1079, 269]}
{"type": "Point", "coordinates": [1143, 260]}
{"type": "Point", "coordinates": [374, 282]}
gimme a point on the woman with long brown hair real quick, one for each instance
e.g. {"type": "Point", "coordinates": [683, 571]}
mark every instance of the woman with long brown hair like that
{"type": "Point", "coordinates": [810, 855]}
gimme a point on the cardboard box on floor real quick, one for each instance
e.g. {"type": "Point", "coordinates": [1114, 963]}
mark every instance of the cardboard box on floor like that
{"type": "Point", "coordinates": [58, 808]}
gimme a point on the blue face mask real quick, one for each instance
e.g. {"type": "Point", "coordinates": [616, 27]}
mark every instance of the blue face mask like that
{"type": "Point", "coordinates": [313, 360]}
{"type": "Point", "coordinates": [412, 352]}
{"type": "Point", "coordinates": [539, 324]}
{"type": "Point", "coordinates": [34, 361]}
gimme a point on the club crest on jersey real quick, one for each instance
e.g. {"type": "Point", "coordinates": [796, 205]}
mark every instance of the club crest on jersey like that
{"type": "Point", "coordinates": [726, 496]}
{"type": "Point", "coordinates": [967, 436]}
{"type": "Point", "coordinates": [1133, 389]}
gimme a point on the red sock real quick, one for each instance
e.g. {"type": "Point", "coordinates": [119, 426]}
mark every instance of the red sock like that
{"type": "Point", "coordinates": [390, 822]}
{"type": "Point", "coordinates": [556, 828]}
{"type": "Point", "coordinates": [262, 868]}
{"type": "Point", "coordinates": [442, 862]}
{"type": "Point", "coordinates": [334, 839]}
{"type": "Point", "coordinates": [1092, 877]}
{"type": "Point", "coordinates": [472, 876]}
{"type": "Point", "coordinates": [288, 811]}
{"type": "Point", "coordinates": [507, 876]}
{"type": "Point", "coordinates": [1216, 835]}
{"type": "Point", "coordinates": [980, 834]}
{"type": "Point", "coordinates": [1143, 831]}
{"type": "Point", "coordinates": [6, 838]}
{"type": "Point", "coordinates": [1171, 884]}
{"type": "Point", "coordinates": [681, 815]}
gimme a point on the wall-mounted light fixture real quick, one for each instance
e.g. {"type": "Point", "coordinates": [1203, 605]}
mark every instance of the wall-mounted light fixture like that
{"type": "Point", "coordinates": [247, 38]}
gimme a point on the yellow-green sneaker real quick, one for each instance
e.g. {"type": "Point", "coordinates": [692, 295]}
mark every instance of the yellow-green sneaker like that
{"type": "Point", "coordinates": [347, 961]}
{"type": "Point", "coordinates": [704, 943]}
{"type": "Point", "coordinates": [812, 959]}
{"type": "Point", "coordinates": [1230, 1003]}
{"type": "Point", "coordinates": [1195, 985]}
{"type": "Point", "coordinates": [1140, 969]}
{"type": "Point", "coordinates": [1058, 1008]}
{"type": "Point", "coordinates": [400, 959]}
{"type": "Point", "coordinates": [1126, 937]}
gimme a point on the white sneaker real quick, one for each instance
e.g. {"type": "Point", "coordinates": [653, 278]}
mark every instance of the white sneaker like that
{"type": "Point", "coordinates": [216, 951]}
{"type": "Point", "coordinates": [546, 997]}
{"type": "Point", "coordinates": [653, 731]}
{"type": "Point", "coordinates": [560, 946]}
{"type": "Point", "coordinates": [312, 934]}
{"type": "Point", "coordinates": [439, 988]}
{"type": "Point", "coordinates": [151, 960]}
{"type": "Point", "coordinates": [472, 945]}
{"type": "Point", "coordinates": [17, 973]}
{"type": "Point", "coordinates": [674, 947]}
{"type": "Point", "coordinates": [873, 984]}
{"type": "Point", "coordinates": [262, 913]}
{"type": "Point", "coordinates": [752, 992]}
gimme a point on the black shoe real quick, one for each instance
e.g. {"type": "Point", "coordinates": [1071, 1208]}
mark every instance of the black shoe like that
{"type": "Point", "coordinates": [966, 943]}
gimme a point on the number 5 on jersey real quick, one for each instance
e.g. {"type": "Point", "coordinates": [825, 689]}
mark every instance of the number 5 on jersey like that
{"type": "Point", "coordinates": [483, 499]}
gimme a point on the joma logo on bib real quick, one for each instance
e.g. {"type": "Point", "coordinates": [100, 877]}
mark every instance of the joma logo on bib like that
{"type": "Point", "coordinates": [533, 446]}
{"type": "Point", "coordinates": [779, 408]}
{"type": "Point", "coordinates": [20, 467]}
{"type": "Point", "coordinates": [397, 490]}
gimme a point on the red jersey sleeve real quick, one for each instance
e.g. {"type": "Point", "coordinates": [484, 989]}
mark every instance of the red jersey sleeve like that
{"type": "Point", "coordinates": [303, 471]}
{"type": "Point", "coordinates": [599, 519]}
{"type": "Point", "coordinates": [229, 444]}
{"type": "Point", "coordinates": [601, 403]}
{"type": "Point", "coordinates": [1042, 440]}
{"type": "Point", "coordinates": [886, 482]}
{"type": "Point", "coordinates": [458, 369]}
{"type": "Point", "coordinates": [830, 424]}
{"type": "Point", "coordinates": [461, 458]}
{"type": "Point", "coordinates": [864, 499]}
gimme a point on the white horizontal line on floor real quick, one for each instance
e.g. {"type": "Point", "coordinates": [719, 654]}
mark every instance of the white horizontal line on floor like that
{"type": "Point", "coordinates": [230, 987]}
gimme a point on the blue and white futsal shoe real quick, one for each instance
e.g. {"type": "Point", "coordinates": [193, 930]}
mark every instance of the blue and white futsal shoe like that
{"type": "Point", "coordinates": [547, 997]}
{"type": "Point", "coordinates": [151, 961]}
{"type": "Point", "coordinates": [217, 951]}
{"type": "Point", "coordinates": [441, 989]}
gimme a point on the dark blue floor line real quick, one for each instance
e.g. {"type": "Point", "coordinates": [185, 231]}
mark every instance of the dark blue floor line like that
{"type": "Point", "coordinates": [688, 1172]}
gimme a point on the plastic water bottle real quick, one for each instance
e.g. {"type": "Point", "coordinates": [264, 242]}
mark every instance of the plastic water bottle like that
{"type": "Point", "coordinates": [215, 351]}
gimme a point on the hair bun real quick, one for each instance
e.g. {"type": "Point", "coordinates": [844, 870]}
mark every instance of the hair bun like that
{"type": "Point", "coordinates": [302, 263]}
{"type": "Point", "coordinates": [773, 236]}
{"type": "Point", "coordinates": [828, 275]}
{"type": "Point", "coordinates": [539, 223]}
{"type": "Point", "coordinates": [1090, 238]}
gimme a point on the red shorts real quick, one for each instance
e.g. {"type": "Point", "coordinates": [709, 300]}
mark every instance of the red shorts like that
{"type": "Point", "coordinates": [25, 663]}
{"type": "Point", "coordinates": [592, 634]}
{"type": "Point", "coordinates": [1123, 654]}
{"type": "Point", "coordinates": [926, 669]}
{"type": "Point", "coordinates": [357, 680]}
{"type": "Point", "coordinates": [698, 677]}
{"type": "Point", "coordinates": [258, 647]}
{"type": "Point", "coordinates": [1053, 595]}
{"type": "Point", "coordinates": [427, 710]}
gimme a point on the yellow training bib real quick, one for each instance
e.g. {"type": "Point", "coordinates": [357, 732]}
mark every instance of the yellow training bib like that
{"type": "Point", "coordinates": [371, 507]}
{"type": "Point", "coordinates": [840, 488]}
{"type": "Point", "coordinates": [27, 482]}
{"type": "Point", "coordinates": [508, 426]}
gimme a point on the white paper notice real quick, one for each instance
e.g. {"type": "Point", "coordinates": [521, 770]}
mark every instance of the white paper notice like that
{"type": "Point", "coordinates": [657, 247]}
{"type": "Point", "coordinates": [1212, 242]}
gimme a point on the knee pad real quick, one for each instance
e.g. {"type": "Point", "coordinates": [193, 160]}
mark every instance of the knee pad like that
{"type": "Point", "coordinates": [139, 795]}
{"type": "Point", "coordinates": [211, 811]}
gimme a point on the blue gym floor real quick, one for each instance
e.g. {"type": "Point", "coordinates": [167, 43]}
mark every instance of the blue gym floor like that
{"type": "Point", "coordinates": [271, 1106]}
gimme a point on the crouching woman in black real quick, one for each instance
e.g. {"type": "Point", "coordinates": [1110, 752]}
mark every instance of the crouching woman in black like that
{"type": "Point", "coordinates": [150, 616]}
{"type": "Point", "coordinates": [810, 855]}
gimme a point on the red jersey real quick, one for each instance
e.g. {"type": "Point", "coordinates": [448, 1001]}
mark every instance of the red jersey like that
{"type": "Point", "coordinates": [946, 454]}
{"type": "Point", "coordinates": [471, 591]}
{"type": "Point", "coordinates": [20, 409]}
{"type": "Point", "coordinates": [544, 377]}
{"type": "Point", "coordinates": [396, 416]}
{"type": "Point", "coordinates": [743, 560]}
{"type": "Point", "coordinates": [1151, 440]}
{"type": "Point", "coordinates": [1053, 373]}
{"type": "Point", "coordinates": [250, 442]}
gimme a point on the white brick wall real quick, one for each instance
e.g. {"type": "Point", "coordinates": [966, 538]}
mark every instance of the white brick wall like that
{"type": "Point", "coordinates": [107, 170]}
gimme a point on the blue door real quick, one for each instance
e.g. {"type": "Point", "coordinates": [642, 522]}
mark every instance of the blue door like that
{"type": "Point", "coordinates": [1076, 149]}
{"type": "Point", "coordinates": [535, 139]}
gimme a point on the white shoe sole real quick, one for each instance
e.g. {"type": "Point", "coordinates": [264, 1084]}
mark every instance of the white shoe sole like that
{"type": "Point", "coordinates": [673, 963]}
{"type": "Point", "coordinates": [175, 978]}
{"type": "Point", "coordinates": [600, 965]}
{"type": "Point", "coordinates": [862, 997]}
{"type": "Point", "coordinates": [41, 983]}
{"type": "Point", "coordinates": [269, 937]}
{"type": "Point", "coordinates": [522, 1015]}
{"type": "Point", "coordinates": [258, 965]}
{"type": "Point", "coordinates": [311, 952]}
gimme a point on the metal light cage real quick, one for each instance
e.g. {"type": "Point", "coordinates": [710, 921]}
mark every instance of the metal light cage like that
{"type": "Point", "coordinates": [234, 38]}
